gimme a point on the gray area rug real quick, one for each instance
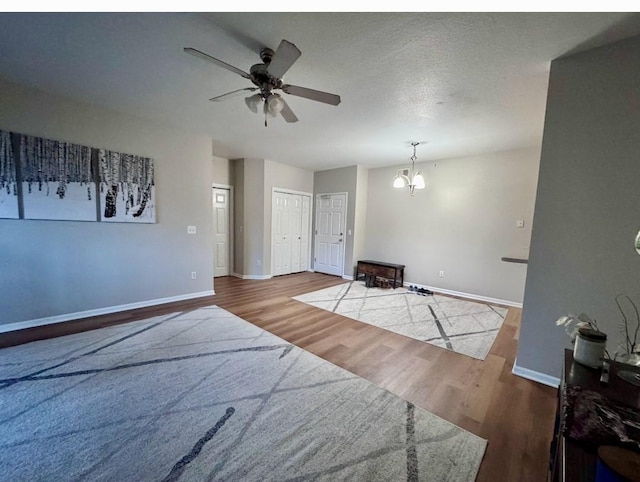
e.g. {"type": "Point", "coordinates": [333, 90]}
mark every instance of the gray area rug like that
{"type": "Point", "coordinates": [205, 395]}
{"type": "Point", "coordinates": [462, 326]}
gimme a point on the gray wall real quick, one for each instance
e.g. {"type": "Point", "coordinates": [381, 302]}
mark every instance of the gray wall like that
{"type": "Point", "coordinates": [253, 224]}
{"type": "Point", "coordinates": [237, 169]}
{"type": "Point", "coordinates": [463, 223]}
{"type": "Point", "coordinates": [222, 170]}
{"type": "Point", "coordinates": [336, 181]}
{"type": "Point", "coordinates": [588, 201]}
{"type": "Point", "coordinates": [254, 180]}
{"type": "Point", "coordinates": [55, 268]}
{"type": "Point", "coordinates": [284, 177]}
{"type": "Point", "coordinates": [360, 213]}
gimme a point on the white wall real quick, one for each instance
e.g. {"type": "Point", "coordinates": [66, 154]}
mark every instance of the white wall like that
{"type": "Point", "coordinates": [463, 223]}
{"type": "Point", "coordinates": [588, 203]}
{"type": "Point", "coordinates": [56, 268]}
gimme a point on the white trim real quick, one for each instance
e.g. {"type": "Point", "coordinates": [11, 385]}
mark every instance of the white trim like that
{"type": "Point", "coordinates": [350, 278]}
{"type": "Point", "coordinates": [291, 191]}
{"type": "Point", "coordinates": [471, 296]}
{"type": "Point", "coordinates": [535, 376]}
{"type": "Point", "coordinates": [231, 226]}
{"type": "Point", "coordinates": [254, 276]}
{"type": "Point", "coordinates": [50, 320]}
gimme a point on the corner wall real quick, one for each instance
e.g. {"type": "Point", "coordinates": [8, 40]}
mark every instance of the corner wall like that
{"type": "Point", "coordinates": [588, 202]}
{"type": "Point", "coordinates": [58, 268]}
{"type": "Point", "coordinates": [463, 223]}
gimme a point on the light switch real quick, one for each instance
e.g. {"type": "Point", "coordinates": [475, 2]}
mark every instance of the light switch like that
{"type": "Point", "coordinates": [191, 230]}
{"type": "Point", "coordinates": [520, 223]}
{"type": "Point", "coordinates": [349, 232]}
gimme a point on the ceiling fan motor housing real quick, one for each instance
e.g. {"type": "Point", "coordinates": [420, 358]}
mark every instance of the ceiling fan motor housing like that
{"type": "Point", "coordinates": [260, 76]}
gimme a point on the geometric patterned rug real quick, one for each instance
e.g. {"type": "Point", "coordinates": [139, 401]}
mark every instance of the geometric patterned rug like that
{"type": "Point", "coordinates": [203, 395]}
{"type": "Point", "coordinates": [466, 327]}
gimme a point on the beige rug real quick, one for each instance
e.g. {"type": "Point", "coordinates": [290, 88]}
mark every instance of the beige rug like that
{"type": "Point", "coordinates": [466, 327]}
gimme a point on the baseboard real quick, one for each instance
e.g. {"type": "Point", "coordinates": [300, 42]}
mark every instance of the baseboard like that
{"type": "Point", "coordinates": [350, 278]}
{"type": "Point", "coordinates": [50, 320]}
{"type": "Point", "coordinates": [470, 296]}
{"type": "Point", "coordinates": [255, 276]}
{"type": "Point", "coordinates": [535, 376]}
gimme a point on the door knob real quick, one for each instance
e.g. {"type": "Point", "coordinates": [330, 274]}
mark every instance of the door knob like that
{"type": "Point", "coordinates": [340, 240]}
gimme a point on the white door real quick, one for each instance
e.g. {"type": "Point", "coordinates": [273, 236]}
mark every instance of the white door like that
{"type": "Point", "coordinates": [305, 222]}
{"type": "Point", "coordinates": [281, 229]}
{"type": "Point", "coordinates": [290, 232]}
{"type": "Point", "coordinates": [331, 210]}
{"type": "Point", "coordinates": [221, 206]}
{"type": "Point", "coordinates": [296, 232]}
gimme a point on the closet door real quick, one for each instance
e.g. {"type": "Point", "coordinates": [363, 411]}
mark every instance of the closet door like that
{"type": "Point", "coordinates": [305, 247]}
{"type": "Point", "coordinates": [291, 229]}
{"type": "Point", "coordinates": [296, 232]}
{"type": "Point", "coordinates": [281, 229]}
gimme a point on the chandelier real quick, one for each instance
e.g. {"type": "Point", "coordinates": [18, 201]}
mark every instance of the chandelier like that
{"type": "Point", "coordinates": [410, 177]}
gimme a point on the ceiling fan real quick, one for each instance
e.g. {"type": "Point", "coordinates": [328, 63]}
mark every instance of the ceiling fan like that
{"type": "Point", "coordinates": [267, 77]}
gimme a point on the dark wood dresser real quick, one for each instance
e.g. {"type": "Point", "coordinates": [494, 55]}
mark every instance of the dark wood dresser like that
{"type": "Point", "coordinates": [573, 460]}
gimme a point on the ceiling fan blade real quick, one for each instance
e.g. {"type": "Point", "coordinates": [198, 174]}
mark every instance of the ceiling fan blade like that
{"type": "Point", "coordinates": [202, 55]}
{"type": "Point", "coordinates": [312, 94]}
{"type": "Point", "coordinates": [287, 113]}
{"type": "Point", "coordinates": [233, 93]}
{"type": "Point", "coordinates": [286, 54]}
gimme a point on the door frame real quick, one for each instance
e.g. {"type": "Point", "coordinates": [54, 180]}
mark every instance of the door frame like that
{"type": "Point", "coordinates": [291, 191]}
{"type": "Point", "coordinates": [214, 185]}
{"type": "Point", "coordinates": [315, 220]}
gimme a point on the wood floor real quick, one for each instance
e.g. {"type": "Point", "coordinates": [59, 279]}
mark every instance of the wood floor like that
{"type": "Point", "coordinates": [515, 415]}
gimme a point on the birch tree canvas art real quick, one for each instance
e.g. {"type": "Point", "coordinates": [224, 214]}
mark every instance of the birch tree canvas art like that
{"type": "Point", "coordinates": [58, 181]}
{"type": "Point", "coordinates": [127, 190]}
{"type": "Point", "coordinates": [8, 179]}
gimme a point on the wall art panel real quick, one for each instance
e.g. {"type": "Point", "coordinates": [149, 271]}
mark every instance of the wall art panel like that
{"type": "Point", "coordinates": [58, 180]}
{"type": "Point", "coordinates": [8, 179]}
{"type": "Point", "coordinates": [127, 189]}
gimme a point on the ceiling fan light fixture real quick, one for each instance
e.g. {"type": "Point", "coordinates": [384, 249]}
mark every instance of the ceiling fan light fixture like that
{"type": "Point", "coordinates": [274, 104]}
{"type": "Point", "coordinates": [253, 101]}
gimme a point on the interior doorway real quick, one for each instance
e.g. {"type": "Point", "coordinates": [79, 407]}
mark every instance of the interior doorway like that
{"type": "Point", "coordinates": [331, 222]}
{"type": "Point", "coordinates": [222, 242]}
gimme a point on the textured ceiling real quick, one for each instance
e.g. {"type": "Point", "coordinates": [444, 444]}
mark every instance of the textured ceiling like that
{"type": "Point", "coordinates": [461, 83]}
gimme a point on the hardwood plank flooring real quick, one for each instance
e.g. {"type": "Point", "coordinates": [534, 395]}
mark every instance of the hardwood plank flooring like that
{"type": "Point", "coordinates": [515, 415]}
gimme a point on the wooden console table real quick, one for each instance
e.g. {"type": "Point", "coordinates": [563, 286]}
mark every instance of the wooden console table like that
{"type": "Point", "coordinates": [372, 269]}
{"type": "Point", "coordinates": [572, 460]}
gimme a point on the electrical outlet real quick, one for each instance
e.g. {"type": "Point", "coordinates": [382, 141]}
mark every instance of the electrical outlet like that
{"type": "Point", "coordinates": [441, 274]}
{"type": "Point", "coordinates": [194, 275]}
{"type": "Point", "coordinates": [191, 230]}
{"type": "Point", "coordinates": [520, 223]}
